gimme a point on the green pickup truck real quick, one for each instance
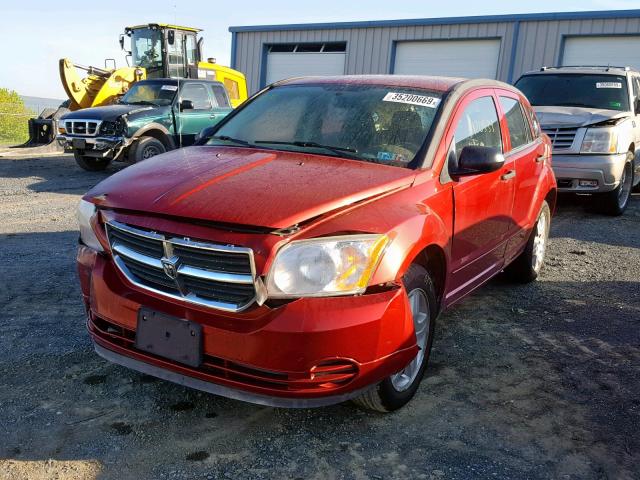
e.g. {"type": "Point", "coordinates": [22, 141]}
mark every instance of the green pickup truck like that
{"type": "Point", "coordinates": [153, 117]}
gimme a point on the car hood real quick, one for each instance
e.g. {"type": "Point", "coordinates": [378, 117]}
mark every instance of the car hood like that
{"type": "Point", "coordinates": [575, 116]}
{"type": "Point", "coordinates": [108, 112]}
{"type": "Point", "coordinates": [246, 186]}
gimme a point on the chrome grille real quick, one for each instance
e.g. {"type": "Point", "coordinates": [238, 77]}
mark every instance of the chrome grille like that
{"type": "Point", "coordinates": [561, 137]}
{"type": "Point", "coordinates": [85, 128]}
{"type": "Point", "coordinates": [217, 276]}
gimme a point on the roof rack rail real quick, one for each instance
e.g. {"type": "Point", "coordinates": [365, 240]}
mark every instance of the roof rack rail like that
{"type": "Point", "coordinates": [607, 67]}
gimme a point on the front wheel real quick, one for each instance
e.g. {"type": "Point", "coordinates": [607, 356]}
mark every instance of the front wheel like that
{"type": "Point", "coordinates": [91, 164]}
{"type": "Point", "coordinates": [526, 267]}
{"type": "Point", "coordinates": [145, 148]}
{"type": "Point", "coordinates": [615, 202]}
{"type": "Point", "coordinates": [396, 390]}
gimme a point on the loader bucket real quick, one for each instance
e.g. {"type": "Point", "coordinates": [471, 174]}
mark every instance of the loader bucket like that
{"type": "Point", "coordinates": [42, 135]}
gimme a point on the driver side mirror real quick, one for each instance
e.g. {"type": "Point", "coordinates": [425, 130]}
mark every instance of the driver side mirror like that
{"type": "Point", "coordinates": [171, 37]}
{"type": "Point", "coordinates": [474, 160]}
{"type": "Point", "coordinates": [186, 105]}
{"type": "Point", "coordinates": [122, 41]}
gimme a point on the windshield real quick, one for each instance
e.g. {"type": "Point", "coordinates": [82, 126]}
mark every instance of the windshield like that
{"type": "Point", "coordinates": [378, 124]}
{"type": "Point", "coordinates": [153, 93]}
{"type": "Point", "coordinates": [146, 48]}
{"type": "Point", "coordinates": [607, 92]}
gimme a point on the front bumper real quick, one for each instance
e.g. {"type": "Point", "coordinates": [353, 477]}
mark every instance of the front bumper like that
{"type": "Point", "coordinates": [309, 352]}
{"type": "Point", "coordinates": [606, 170]}
{"type": "Point", "coordinates": [101, 146]}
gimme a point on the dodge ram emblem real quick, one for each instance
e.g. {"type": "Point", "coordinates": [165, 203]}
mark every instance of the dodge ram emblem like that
{"type": "Point", "coordinates": [170, 267]}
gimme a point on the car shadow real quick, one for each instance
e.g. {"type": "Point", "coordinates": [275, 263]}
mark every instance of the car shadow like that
{"type": "Point", "coordinates": [53, 173]}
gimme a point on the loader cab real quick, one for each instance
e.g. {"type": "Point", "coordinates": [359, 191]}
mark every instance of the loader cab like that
{"type": "Point", "coordinates": [164, 51]}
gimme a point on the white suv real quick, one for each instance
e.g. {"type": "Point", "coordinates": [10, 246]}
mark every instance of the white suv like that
{"type": "Point", "coordinates": [592, 115]}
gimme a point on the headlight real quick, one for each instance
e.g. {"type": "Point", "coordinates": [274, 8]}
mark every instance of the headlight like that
{"type": "Point", "coordinates": [325, 266]}
{"type": "Point", "coordinates": [600, 140]}
{"type": "Point", "coordinates": [86, 212]}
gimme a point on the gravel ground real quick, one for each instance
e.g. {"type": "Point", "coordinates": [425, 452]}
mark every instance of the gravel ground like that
{"type": "Point", "coordinates": [535, 381]}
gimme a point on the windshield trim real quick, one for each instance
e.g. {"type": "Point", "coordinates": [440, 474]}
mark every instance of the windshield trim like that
{"type": "Point", "coordinates": [417, 162]}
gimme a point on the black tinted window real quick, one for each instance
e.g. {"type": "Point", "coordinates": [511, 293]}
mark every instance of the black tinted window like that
{"type": "Point", "coordinates": [576, 90]}
{"type": "Point", "coordinates": [478, 126]}
{"type": "Point", "coordinates": [519, 131]}
{"type": "Point", "coordinates": [197, 93]}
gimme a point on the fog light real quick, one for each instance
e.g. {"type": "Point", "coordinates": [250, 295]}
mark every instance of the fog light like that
{"type": "Point", "coordinates": [101, 146]}
{"type": "Point", "coordinates": [588, 183]}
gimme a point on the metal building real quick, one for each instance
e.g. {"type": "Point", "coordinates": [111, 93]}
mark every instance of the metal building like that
{"type": "Point", "coordinates": [501, 46]}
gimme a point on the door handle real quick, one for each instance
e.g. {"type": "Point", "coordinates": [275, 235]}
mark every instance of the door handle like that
{"type": "Point", "coordinates": [540, 159]}
{"type": "Point", "coordinates": [213, 115]}
{"type": "Point", "coordinates": [509, 175]}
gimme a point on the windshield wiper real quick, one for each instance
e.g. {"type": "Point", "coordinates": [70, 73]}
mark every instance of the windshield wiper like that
{"type": "Point", "coordinates": [227, 138]}
{"type": "Point", "coordinates": [143, 102]}
{"type": "Point", "coordinates": [331, 148]}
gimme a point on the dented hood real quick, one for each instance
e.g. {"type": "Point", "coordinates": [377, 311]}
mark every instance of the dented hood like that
{"type": "Point", "coordinates": [246, 186]}
{"type": "Point", "coordinates": [575, 116]}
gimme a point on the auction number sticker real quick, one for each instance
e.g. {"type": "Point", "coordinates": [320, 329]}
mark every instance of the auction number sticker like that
{"type": "Point", "coordinates": [609, 85]}
{"type": "Point", "coordinates": [172, 88]}
{"type": "Point", "coordinates": [410, 98]}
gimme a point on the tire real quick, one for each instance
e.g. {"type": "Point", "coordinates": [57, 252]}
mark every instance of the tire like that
{"type": "Point", "coordinates": [527, 266]}
{"type": "Point", "coordinates": [615, 202]}
{"type": "Point", "coordinates": [145, 148]}
{"type": "Point", "coordinates": [91, 164]}
{"type": "Point", "coordinates": [636, 189]}
{"type": "Point", "coordinates": [396, 390]}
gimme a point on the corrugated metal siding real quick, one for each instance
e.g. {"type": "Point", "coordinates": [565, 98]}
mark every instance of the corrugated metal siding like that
{"type": "Point", "coordinates": [369, 49]}
{"type": "Point", "coordinates": [541, 43]}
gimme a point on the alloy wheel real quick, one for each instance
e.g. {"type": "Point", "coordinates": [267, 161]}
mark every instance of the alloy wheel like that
{"type": "Point", "coordinates": [402, 380]}
{"type": "Point", "coordinates": [625, 186]}
{"type": "Point", "coordinates": [540, 242]}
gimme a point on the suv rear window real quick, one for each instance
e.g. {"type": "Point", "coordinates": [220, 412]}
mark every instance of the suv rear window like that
{"type": "Point", "coordinates": [607, 92]}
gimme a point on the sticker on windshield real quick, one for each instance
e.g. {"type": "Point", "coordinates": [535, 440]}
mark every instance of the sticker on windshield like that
{"type": "Point", "coordinates": [422, 100]}
{"type": "Point", "coordinates": [173, 88]}
{"type": "Point", "coordinates": [609, 85]}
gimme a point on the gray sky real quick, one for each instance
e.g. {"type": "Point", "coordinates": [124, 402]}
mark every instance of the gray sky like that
{"type": "Point", "coordinates": [37, 33]}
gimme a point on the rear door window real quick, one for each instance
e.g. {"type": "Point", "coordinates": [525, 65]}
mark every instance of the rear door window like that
{"type": "Point", "coordinates": [478, 126]}
{"type": "Point", "coordinates": [519, 131]}
{"type": "Point", "coordinates": [220, 96]}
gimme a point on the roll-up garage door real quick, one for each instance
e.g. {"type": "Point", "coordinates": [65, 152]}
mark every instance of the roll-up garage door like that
{"type": "Point", "coordinates": [457, 58]}
{"type": "Point", "coordinates": [621, 51]}
{"type": "Point", "coordinates": [291, 60]}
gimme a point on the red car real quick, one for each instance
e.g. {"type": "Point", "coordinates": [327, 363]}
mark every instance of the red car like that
{"type": "Point", "coordinates": [299, 256]}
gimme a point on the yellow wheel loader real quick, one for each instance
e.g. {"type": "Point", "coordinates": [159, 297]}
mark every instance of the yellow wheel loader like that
{"type": "Point", "coordinates": [157, 50]}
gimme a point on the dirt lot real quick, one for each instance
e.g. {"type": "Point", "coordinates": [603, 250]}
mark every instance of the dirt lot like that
{"type": "Point", "coordinates": [536, 381]}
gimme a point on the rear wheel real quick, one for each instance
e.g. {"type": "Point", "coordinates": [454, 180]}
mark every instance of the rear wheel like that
{"type": "Point", "coordinates": [526, 267]}
{"type": "Point", "coordinates": [91, 164]}
{"type": "Point", "coordinates": [615, 202]}
{"type": "Point", "coordinates": [145, 148]}
{"type": "Point", "coordinates": [396, 390]}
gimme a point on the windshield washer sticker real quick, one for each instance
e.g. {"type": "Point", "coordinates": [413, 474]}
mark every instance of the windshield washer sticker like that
{"type": "Point", "coordinates": [173, 88]}
{"type": "Point", "coordinates": [609, 85]}
{"type": "Point", "coordinates": [411, 99]}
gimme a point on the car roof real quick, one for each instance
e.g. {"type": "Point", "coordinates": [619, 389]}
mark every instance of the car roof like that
{"type": "Point", "coordinates": [583, 70]}
{"type": "Point", "coordinates": [435, 83]}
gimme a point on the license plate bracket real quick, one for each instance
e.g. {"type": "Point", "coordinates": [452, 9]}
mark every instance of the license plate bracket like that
{"type": "Point", "coordinates": [169, 337]}
{"type": "Point", "coordinates": [79, 143]}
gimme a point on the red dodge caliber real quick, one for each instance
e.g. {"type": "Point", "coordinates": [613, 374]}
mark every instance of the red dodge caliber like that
{"type": "Point", "coordinates": [300, 254]}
